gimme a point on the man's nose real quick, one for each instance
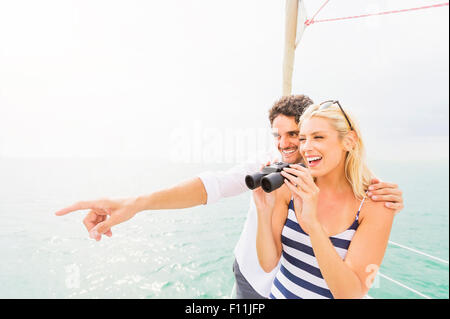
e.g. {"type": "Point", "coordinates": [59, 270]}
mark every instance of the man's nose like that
{"type": "Point", "coordinates": [284, 142]}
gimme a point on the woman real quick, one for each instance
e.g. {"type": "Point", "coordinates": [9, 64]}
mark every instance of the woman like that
{"type": "Point", "coordinates": [329, 236]}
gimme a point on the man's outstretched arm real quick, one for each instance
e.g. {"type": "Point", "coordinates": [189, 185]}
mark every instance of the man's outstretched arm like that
{"type": "Point", "coordinates": [186, 194]}
{"type": "Point", "coordinates": [206, 188]}
{"type": "Point", "coordinates": [105, 213]}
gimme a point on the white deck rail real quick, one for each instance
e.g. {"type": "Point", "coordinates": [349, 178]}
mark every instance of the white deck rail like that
{"type": "Point", "coordinates": [419, 252]}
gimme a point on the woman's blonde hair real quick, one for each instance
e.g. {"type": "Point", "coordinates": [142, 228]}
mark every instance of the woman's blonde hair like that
{"type": "Point", "coordinates": [356, 170]}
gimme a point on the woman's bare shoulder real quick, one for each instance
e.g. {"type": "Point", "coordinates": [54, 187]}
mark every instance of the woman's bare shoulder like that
{"type": "Point", "coordinates": [372, 210]}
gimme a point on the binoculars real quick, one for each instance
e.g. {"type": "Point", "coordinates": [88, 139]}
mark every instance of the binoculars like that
{"type": "Point", "coordinates": [269, 178]}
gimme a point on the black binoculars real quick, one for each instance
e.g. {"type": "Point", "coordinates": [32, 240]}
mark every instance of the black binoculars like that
{"type": "Point", "coordinates": [269, 178]}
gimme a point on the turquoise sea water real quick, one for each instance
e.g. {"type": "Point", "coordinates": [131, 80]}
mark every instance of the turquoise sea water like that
{"type": "Point", "coordinates": [183, 253]}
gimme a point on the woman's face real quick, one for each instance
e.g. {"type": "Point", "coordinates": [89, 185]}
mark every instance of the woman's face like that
{"type": "Point", "coordinates": [320, 146]}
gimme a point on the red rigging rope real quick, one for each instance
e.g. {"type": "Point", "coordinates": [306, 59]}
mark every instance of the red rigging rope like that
{"type": "Point", "coordinates": [315, 14]}
{"type": "Point", "coordinates": [311, 21]}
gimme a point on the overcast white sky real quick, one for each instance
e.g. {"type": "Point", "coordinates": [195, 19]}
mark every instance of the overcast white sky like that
{"type": "Point", "coordinates": [143, 79]}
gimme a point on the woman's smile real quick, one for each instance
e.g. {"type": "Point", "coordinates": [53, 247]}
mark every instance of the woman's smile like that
{"type": "Point", "coordinates": [313, 160]}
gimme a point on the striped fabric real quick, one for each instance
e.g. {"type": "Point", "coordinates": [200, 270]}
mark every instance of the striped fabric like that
{"type": "Point", "coordinates": [299, 276]}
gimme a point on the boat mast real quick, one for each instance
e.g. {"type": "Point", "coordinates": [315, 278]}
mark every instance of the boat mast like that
{"type": "Point", "coordinates": [289, 44]}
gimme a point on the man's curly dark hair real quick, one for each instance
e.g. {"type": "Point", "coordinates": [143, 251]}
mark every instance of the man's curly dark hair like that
{"type": "Point", "coordinates": [291, 105]}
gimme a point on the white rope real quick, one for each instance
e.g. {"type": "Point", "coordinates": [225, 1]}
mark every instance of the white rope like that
{"type": "Point", "coordinates": [233, 291]}
{"type": "Point", "coordinates": [404, 286]}
{"type": "Point", "coordinates": [419, 252]}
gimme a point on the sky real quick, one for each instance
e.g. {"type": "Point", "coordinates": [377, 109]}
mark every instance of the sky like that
{"type": "Point", "coordinates": [192, 81]}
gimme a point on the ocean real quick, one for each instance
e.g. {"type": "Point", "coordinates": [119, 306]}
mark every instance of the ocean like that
{"type": "Point", "coordinates": [182, 253]}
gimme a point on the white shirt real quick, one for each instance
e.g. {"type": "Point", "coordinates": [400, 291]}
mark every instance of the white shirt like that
{"type": "Point", "coordinates": [231, 183]}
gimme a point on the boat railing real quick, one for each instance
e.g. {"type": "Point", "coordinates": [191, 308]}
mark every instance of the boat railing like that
{"type": "Point", "coordinates": [402, 284]}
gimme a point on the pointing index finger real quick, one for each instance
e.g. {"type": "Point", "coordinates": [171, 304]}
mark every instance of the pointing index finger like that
{"type": "Point", "coordinates": [77, 206]}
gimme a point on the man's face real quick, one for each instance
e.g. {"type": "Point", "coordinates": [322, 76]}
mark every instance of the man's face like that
{"type": "Point", "coordinates": [286, 134]}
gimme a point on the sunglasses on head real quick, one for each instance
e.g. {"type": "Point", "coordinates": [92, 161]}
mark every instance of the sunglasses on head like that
{"type": "Point", "coordinates": [327, 104]}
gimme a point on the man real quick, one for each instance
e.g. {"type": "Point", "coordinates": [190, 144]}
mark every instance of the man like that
{"type": "Point", "coordinates": [209, 187]}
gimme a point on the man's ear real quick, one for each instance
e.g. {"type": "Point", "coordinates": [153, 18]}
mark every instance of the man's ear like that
{"type": "Point", "coordinates": [350, 140]}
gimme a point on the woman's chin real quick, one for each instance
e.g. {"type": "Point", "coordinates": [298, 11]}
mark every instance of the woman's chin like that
{"type": "Point", "coordinates": [318, 171]}
{"type": "Point", "coordinates": [315, 172]}
{"type": "Point", "coordinates": [321, 170]}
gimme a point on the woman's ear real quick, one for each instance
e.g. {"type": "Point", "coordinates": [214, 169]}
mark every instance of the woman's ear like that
{"type": "Point", "coordinates": [350, 140]}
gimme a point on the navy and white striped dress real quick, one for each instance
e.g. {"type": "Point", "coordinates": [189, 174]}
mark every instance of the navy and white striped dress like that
{"type": "Point", "coordinates": [299, 275]}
